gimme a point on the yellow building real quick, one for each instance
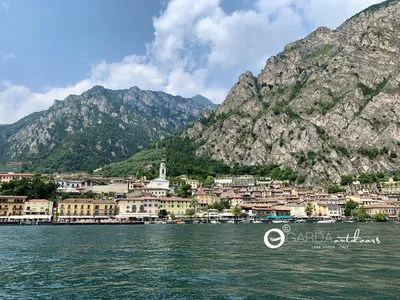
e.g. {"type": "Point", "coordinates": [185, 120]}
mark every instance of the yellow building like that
{"type": "Point", "coordinates": [13, 176]}
{"type": "Point", "coordinates": [105, 208]}
{"type": "Point", "coordinates": [38, 209]}
{"type": "Point", "coordinates": [204, 199]}
{"type": "Point", "coordinates": [175, 206]}
{"type": "Point", "coordinates": [297, 210]}
{"type": "Point", "coordinates": [11, 206]}
{"type": "Point", "coordinates": [86, 208]}
{"type": "Point", "coordinates": [76, 207]}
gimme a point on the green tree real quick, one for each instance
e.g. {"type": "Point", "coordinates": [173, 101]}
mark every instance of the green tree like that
{"type": "Point", "coordinates": [309, 209]}
{"type": "Point", "coordinates": [190, 212]}
{"type": "Point", "coordinates": [380, 217]}
{"type": "Point", "coordinates": [35, 187]}
{"type": "Point", "coordinates": [163, 213]}
{"type": "Point", "coordinates": [209, 181]}
{"type": "Point", "coordinates": [360, 214]}
{"type": "Point", "coordinates": [349, 207]}
{"type": "Point", "coordinates": [236, 211]}
{"type": "Point", "coordinates": [220, 205]}
{"type": "Point", "coordinates": [184, 191]}
{"type": "Point", "coordinates": [333, 189]}
{"type": "Point", "coordinates": [346, 180]}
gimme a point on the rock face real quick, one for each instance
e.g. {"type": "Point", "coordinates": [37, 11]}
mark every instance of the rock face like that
{"type": "Point", "coordinates": [98, 127]}
{"type": "Point", "coordinates": [327, 106]}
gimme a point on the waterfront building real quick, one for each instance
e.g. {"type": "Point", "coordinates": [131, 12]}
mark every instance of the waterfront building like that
{"type": "Point", "coordinates": [138, 208]}
{"type": "Point", "coordinates": [11, 206]}
{"type": "Point", "coordinates": [333, 208]}
{"type": "Point", "coordinates": [175, 206]}
{"type": "Point", "coordinates": [82, 208]}
{"type": "Point", "coordinates": [384, 208]}
{"type": "Point", "coordinates": [297, 210]}
{"type": "Point", "coordinates": [38, 209]}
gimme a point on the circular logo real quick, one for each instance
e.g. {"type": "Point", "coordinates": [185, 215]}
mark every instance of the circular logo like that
{"type": "Point", "coordinates": [280, 239]}
{"type": "Point", "coordinates": [286, 228]}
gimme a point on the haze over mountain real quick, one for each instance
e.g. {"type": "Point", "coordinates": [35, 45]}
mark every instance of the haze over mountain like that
{"type": "Point", "coordinates": [84, 132]}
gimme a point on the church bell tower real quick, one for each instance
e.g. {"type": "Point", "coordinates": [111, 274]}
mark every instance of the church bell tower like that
{"type": "Point", "coordinates": [163, 170]}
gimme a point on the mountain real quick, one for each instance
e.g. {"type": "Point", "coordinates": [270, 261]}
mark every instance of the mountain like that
{"type": "Point", "coordinates": [326, 106]}
{"type": "Point", "coordinates": [101, 126]}
{"type": "Point", "coordinates": [201, 100]}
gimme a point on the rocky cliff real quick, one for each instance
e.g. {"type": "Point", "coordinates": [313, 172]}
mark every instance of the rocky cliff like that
{"type": "Point", "coordinates": [326, 106]}
{"type": "Point", "coordinates": [100, 126]}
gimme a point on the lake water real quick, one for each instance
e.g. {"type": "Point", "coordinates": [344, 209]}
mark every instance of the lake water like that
{"type": "Point", "coordinates": [205, 261]}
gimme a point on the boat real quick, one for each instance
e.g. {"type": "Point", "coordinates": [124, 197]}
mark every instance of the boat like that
{"type": "Point", "coordinates": [326, 221]}
{"type": "Point", "coordinates": [348, 221]}
{"type": "Point", "coordinates": [257, 222]}
{"type": "Point", "coordinates": [231, 221]}
{"type": "Point", "coordinates": [280, 221]}
{"type": "Point", "coordinates": [196, 222]}
{"type": "Point", "coordinates": [245, 221]}
{"type": "Point", "coordinates": [180, 222]}
{"type": "Point", "coordinates": [215, 222]}
{"type": "Point", "coordinates": [300, 221]}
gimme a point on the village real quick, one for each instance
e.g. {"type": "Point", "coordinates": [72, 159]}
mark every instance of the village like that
{"type": "Point", "coordinates": [96, 200]}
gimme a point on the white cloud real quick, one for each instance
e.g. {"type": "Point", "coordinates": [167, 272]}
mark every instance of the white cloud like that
{"type": "Point", "coordinates": [6, 56]}
{"type": "Point", "coordinates": [198, 48]}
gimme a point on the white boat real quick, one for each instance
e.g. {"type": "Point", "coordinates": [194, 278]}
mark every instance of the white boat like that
{"type": "Point", "coordinates": [231, 221]}
{"type": "Point", "coordinates": [215, 222]}
{"type": "Point", "coordinates": [326, 221]}
{"type": "Point", "coordinates": [245, 221]}
{"type": "Point", "coordinates": [280, 221]}
{"type": "Point", "coordinates": [196, 222]}
{"type": "Point", "coordinates": [347, 221]}
{"type": "Point", "coordinates": [257, 222]}
{"type": "Point", "coordinates": [300, 221]}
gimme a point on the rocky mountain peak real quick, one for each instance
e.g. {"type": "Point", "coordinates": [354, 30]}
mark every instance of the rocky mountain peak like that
{"type": "Point", "coordinates": [245, 88]}
{"type": "Point", "coordinates": [325, 106]}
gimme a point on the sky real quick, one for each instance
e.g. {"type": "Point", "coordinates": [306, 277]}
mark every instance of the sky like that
{"type": "Point", "coordinates": [51, 49]}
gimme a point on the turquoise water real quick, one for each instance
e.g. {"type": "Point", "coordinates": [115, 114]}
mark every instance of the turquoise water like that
{"type": "Point", "coordinates": [205, 261]}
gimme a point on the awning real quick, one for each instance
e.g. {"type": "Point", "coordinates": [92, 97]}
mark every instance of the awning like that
{"type": "Point", "coordinates": [279, 217]}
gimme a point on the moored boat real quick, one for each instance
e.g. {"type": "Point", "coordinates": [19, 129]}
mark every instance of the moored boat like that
{"type": "Point", "coordinates": [231, 221]}
{"type": "Point", "coordinates": [326, 221]}
{"type": "Point", "coordinates": [215, 222]}
{"type": "Point", "coordinates": [300, 221]}
{"type": "Point", "coordinates": [280, 221]}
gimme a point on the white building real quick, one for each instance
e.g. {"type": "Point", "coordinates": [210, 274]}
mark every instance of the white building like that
{"type": "Point", "coordinates": [38, 209]}
{"type": "Point", "coordinates": [226, 181]}
{"type": "Point", "coordinates": [159, 184]}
